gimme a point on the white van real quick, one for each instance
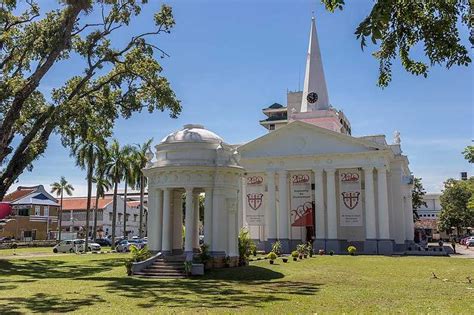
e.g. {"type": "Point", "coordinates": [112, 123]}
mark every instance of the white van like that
{"type": "Point", "coordinates": [71, 246]}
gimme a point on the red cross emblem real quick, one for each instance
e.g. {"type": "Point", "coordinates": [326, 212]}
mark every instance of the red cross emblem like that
{"type": "Point", "coordinates": [351, 199]}
{"type": "Point", "coordinates": [255, 200]}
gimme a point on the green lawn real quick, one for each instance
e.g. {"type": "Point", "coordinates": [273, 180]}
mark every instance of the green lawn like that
{"type": "Point", "coordinates": [22, 251]}
{"type": "Point", "coordinates": [97, 284]}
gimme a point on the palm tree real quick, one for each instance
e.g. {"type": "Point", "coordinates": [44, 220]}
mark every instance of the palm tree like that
{"type": "Point", "coordinates": [115, 171]}
{"type": "Point", "coordinates": [140, 161]}
{"type": "Point", "coordinates": [102, 184]}
{"type": "Point", "coordinates": [59, 188]}
{"type": "Point", "coordinates": [86, 154]}
{"type": "Point", "coordinates": [129, 180]}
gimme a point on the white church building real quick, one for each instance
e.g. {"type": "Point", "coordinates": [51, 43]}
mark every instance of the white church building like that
{"type": "Point", "coordinates": [307, 179]}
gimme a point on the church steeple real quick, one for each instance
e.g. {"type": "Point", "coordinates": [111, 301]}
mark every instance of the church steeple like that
{"type": "Point", "coordinates": [315, 94]}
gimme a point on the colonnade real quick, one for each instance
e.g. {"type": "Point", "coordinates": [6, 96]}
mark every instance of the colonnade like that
{"type": "Point", "coordinates": [376, 218]}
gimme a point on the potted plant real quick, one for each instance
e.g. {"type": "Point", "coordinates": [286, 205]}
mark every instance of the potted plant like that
{"type": "Point", "coordinates": [227, 261]}
{"type": "Point", "coordinates": [351, 250]}
{"type": "Point", "coordinates": [301, 248]}
{"type": "Point", "coordinates": [128, 266]}
{"type": "Point", "coordinates": [272, 256]}
{"type": "Point", "coordinates": [276, 248]}
{"type": "Point", "coordinates": [205, 257]}
{"type": "Point", "coordinates": [294, 254]}
{"type": "Point", "coordinates": [285, 259]}
{"type": "Point", "coordinates": [188, 265]}
{"type": "Point", "coordinates": [331, 252]}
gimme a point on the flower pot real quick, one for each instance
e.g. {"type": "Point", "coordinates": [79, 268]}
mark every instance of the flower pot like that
{"type": "Point", "coordinates": [295, 258]}
{"type": "Point", "coordinates": [285, 260]}
{"type": "Point", "coordinates": [271, 262]}
{"type": "Point", "coordinates": [305, 256]}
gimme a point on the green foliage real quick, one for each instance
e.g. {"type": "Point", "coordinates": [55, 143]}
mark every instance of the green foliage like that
{"type": "Point", "coordinates": [469, 153]}
{"type": "Point", "coordinates": [272, 256]}
{"type": "Point", "coordinates": [119, 77]}
{"type": "Point", "coordinates": [351, 250]}
{"type": "Point", "coordinates": [276, 248]}
{"type": "Point", "coordinates": [458, 211]}
{"type": "Point", "coordinates": [301, 249]}
{"type": "Point", "coordinates": [398, 27]}
{"type": "Point", "coordinates": [246, 245]}
{"type": "Point", "coordinates": [188, 265]}
{"type": "Point", "coordinates": [295, 254]}
{"type": "Point", "coordinates": [204, 255]}
{"type": "Point", "coordinates": [417, 194]}
{"type": "Point", "coordinates": [138, 255]}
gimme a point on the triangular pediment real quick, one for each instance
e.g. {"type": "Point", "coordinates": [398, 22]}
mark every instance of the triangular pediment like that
{"type": "Point", "coordinates": [300, 138]}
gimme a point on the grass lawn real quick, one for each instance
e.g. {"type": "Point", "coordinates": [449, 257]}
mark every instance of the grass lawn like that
{"type": "Point", "coordinates": [96, 284]}
{"type": "Point", "coordinates": [22, 251]}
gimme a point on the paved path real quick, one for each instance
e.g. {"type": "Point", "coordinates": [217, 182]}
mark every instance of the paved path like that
{"type": "Point", "coordinates": [462, 252]}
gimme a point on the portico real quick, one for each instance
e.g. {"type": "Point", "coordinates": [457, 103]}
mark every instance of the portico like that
{"type": "Point", "coordinates": [176, 181]}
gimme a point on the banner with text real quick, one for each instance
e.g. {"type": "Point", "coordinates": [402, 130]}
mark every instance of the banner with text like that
{"type": "Point", "coordinates": [350, 198]}
{"type": "Point", "coordinates": [301, 199]}
{"type": "Point", "coordinates": [255, 201]}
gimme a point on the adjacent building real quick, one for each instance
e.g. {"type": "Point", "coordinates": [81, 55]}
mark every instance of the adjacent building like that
{"type": "Point", "coordinates": [33, 214]}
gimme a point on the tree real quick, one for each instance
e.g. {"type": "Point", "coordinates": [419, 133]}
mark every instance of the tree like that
{"type": "Point", "coordinates": [457, 212]}
{"type": "Point", "coordinates": [115, 170]}
{"type": "Point", "coordinates": [469, 153]}
{"type": "Point", "coordinates": [102, 184]}
{"type": "Point", "coordinates": [417, 194]}
{"type": "Point", "coordinates": [129, 180]}
{"type": "Point", "coordinates": [140, 160]}
{"type": "Point", "coordinates": [122, 79]}
{"type": "Point", "coordinates": [59, 188]}
{"type": "Point", "coordinates": [398, 27]}
{"type": "Point", "coordinates": [86, 154]}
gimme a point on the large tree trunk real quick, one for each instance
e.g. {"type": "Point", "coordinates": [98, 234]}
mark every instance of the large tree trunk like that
{"type": "Point", "coordinates": [114, 213]}
{"type": "Point", "coordinates": [125, 210]}
{"type": "Point", "coordinates": [95, 214]}
{"type": "Point", "coordinates": [32, 82]}
{"type": "Point", "coordinates": [142, 190]}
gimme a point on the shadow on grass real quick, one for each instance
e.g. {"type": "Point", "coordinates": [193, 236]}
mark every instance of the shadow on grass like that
{"type": "Point", "coordinates": [46, 303]}
{"type": "Point", "coordinates": [54, 269]}
{"type": "Point", "coordinates": [250, 286]}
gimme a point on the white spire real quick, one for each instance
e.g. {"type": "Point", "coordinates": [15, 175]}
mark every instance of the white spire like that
{"type": "Point", "coordinates": [314, 81]}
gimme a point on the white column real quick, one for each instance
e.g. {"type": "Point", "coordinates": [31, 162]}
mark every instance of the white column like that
{"type": "Point", "coordinates": [331, 200]}
{"type": "Point", "coordinates": [208, 217]}
{"type": "Point", "coordinates": [177, 221]}
{"type": "Point", "coordinates": [270, 214]}
{"type": "Point", "coordinates": [196, 221]}
{"type": "Point", "coordinates": [167, 221]}
{"type": "Point", "coordinates": [159, 218]}
{"type": "Point", "coordinates": [284, 213]}
{"type": "Point", "coordinates": [370, 223]}
{"type": "Point", "coordinates": [232, 237]}
{"type": "Point", "coordinates": [189, 221]}
{"type": "Point", "coordinates": [243, 202]}
{"type": "Point", "coordinates": [218, 224]}
{"type": "Point", "coordinates": [410, 225]}
{"type": "Point", "coordinates": [319, 204]}
{"type": "Point", "coordinates": [383, 214]}
{"type": "Point", "coordinates": [153, 229]}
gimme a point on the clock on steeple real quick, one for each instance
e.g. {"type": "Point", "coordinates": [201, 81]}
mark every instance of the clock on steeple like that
{"type": "Point", "coordinates": [312, 97]}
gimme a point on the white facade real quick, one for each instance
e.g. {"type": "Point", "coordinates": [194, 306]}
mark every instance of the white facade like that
{"type": "Point", "coordinates": [308, 179]}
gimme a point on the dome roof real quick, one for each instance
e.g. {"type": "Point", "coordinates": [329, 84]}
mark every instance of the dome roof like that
{"type": "Point", "coordinates": [192, 133]}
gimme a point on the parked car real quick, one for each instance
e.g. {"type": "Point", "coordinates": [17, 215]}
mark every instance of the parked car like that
{"type": "Point", "coordinates": [469, 241]}
{"type": "Point", "coordinates": [70, 246]}
{"type": "Point", "coordinates": [123, 246]}
{"type": "Point", "coordinates": [103, 242]}
{"type": "Point", "coordinates": [464, 240]}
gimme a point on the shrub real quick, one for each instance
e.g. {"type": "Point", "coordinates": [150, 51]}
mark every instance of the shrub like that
{"type": "Point", "coordinates": [204, 255]}
{"type": "Point", "coordinates": [276, 248]}
{"type": "Point", "coordinates": [301, 249]}
{"type": "Point", "coordinates": [272, 256]}
{"type": "Point", "coordinates": [246, 246]}
{"type": "Point", "coordinates": [188, 266]}
{"type": "Point", "coordinates": [351, 250]}
{"type": "Point", "coordinates": [331, 252]}
{"type": "Point", "coordinates": [137, 256]}
{"type": "Point", "coordinates": [294, 254]}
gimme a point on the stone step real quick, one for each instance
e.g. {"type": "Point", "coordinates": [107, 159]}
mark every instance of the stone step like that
{"type": "Point", "coordinates": [164, 268]}
{"type": "Point", "coordinates": [166, 263]}
{"type": "Point", "coordinates": [161, 277]}
{"type": "Point", "coordinates": [158, 274]}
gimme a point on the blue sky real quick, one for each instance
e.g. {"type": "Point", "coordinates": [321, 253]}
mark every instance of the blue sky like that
{"type": "Point", "coordinates": [230, 59]}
